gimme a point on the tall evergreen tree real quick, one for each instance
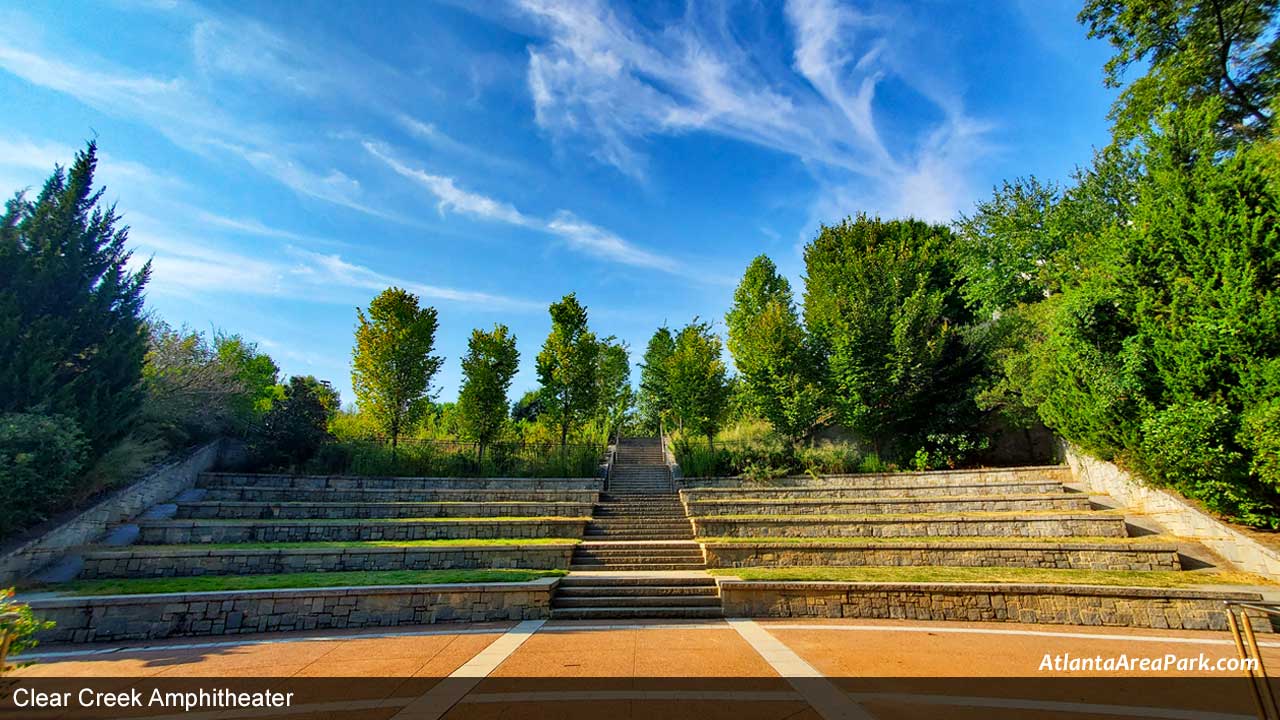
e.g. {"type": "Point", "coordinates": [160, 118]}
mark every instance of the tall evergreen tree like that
{"type": "Point", "coordinates": [392, 364]}
{"type": "Point", "coordinates": [655, 397]}
{"type": "Point", "coordinates": [568, 366]}
{"type": "Point", "coordinates": [779, 370]}
{"type": "Point", "coordinates": [72, 337]}
{"type": "Point", "coordinates": [487, 370]}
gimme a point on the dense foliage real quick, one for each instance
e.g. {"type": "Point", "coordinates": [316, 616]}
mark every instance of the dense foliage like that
{"type": "Point", "coordinates": [41, 462]}
{"type": "Point", "coordinates": [296, 425]}
{"type": "Point", "coordinates": [696, 381]}
{"type": "Point", "coordinates": [391, 363]}
{"type": "Point", "coordinates": [779, 370]}
{"type": "Point", "coordinates": [487, 370]}
{"type": "Point", "coordinates": [653, 400]}
{"type": "Point", "coordinates": [569, 368]}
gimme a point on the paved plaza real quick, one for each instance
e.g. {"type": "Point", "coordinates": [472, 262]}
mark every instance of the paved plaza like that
{"type": "Point", "coordinates": [703, 669]}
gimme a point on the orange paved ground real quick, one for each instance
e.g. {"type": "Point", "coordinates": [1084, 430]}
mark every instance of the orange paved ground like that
{"type": "Point", "coordinates": [880, 669]}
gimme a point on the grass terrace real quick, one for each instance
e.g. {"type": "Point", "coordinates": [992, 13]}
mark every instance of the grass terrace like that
{"type": "Point", "coordinates": [1129, 578]}
{"type": "Point", "coordinates": [214, 583]}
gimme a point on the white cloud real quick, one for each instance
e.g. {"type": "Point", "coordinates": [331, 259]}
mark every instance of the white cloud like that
{"type": "Point", "coordinates": [599, 75]}
{"type": "Point", "coordinates": [577, 233]}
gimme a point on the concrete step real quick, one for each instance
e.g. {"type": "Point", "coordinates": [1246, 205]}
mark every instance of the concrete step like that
{"type": "Point", "coordinates": [656, 565]}
{"type": "Point", "coordinates": [906, 489]}
{"type": "Point", "coordinates": [1044, 524]}
{"type": "Point", "coordinates": [636, 601]}
{"type": "Point", "coordinates": [586, 591]}
{"type": "Point", "coordinates": [636, 580]}
{"type": "Point", "coordinates": [187, 532]}
{"type": "Point", "coordinates": [629, 613]}
{"type": "Point", "coordinates": [892, 505]}
{"type": "Point", "coordinates": [250, 493]}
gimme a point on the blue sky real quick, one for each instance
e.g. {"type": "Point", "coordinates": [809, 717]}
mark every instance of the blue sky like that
{"type": "Point", "coordinates": [283, 162]}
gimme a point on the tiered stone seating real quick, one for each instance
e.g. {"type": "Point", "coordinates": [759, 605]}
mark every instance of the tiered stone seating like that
{"type": "Point", "coordinates": [1014, 517]}
{"type": "Point", "coordinates": [337, 523]}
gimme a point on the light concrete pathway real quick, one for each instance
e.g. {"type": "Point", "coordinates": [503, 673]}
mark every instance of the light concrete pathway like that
{"type": "Point", "coordinates": [825, 697]}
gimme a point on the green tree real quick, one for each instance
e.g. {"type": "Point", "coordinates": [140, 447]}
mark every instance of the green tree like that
{"type": "Point", "coordinates": [72, 337]}
{"type": "Point", "coordinates": [655, 398]}
{"type": "Point", "coordinates": [257, 373]}
{"type": "Point", "coordinates": [329, 396]}
{"type": "Point", "coordinates": [696, 381]}
{"type": "Point", "coordinates": [1163, 351]}
{"type": "Point", "coordinates": [568, 367]}
{"type": "Point", "coordinates": [487, 371]}
{"type": "Point", "coordinates": [780, 372]}
{"type": "Point", "coordinates": [881, 302]}
{"type": "Point", "coordinates": [1192, 51]}
{"type": "Point", "coordinates": [296, 425]}
{"type": "Point", "coordinates": [391, 363]}
{"type": "Point", "coordinates": [615, 393]}
{"type": "Point", "coordinates": [41, 462]}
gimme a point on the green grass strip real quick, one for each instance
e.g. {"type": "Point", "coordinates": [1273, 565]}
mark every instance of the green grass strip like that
{"type": "Point", "coordinates": [353, 544]}
{"type": "Point", "coordinates": [213, 583]}
{"type": "Point", "coordinates": [1134, 578]}
{"type": "Point", "coordinates": [1141, 540]}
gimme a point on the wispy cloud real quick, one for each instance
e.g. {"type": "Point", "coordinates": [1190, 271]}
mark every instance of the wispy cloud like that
{"type": "Point", "coordinates": [187, 266]}
{"type": "Point", "coordinates": [577, 233]}
{"type": "Point", "coordinates": [598, 75]}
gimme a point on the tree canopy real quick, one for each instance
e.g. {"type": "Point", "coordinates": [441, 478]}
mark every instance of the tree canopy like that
{"type": "Point", "coordinates": [391, 363]}
{"type": "Point", "coordinates": [487, 370]}
{"type": "Point", "coordinates": [568, 367]}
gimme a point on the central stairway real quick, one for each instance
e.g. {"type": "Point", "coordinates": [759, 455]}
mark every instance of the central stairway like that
{"type": "Point", "coordinates": [639, 524]}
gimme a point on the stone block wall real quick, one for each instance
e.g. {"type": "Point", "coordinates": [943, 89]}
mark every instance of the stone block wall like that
{"type": "Point", "coordinates": [351, 482]}
{"type": "Point", "coordinates": [1047, 604]}
{"type": "Point", "coordinates": [1060, 473]}
{"type": "Point", "coordinates": [1055, 555]}
{"type": "Point", "coordinates": [1175, 513]}
{"type": "Point", "coordinates": [901, 506]}
{"type": "Point", "coordinates": [187, 532]}
{"type": "Point", "coordinates": [157, 486]}
{"type": "Point", "coordinates": [194, 562]}
{"type": "Point", "coordinates": [252, 493]}
{"type": "Point", "coordinates": [209, 510]}
{"type": "Point", "coordinates": [151, 617]}
{"type": "Point", "coordinates": [1097, 524]}
{"type": "Point", "coordinates": [1029, 487]}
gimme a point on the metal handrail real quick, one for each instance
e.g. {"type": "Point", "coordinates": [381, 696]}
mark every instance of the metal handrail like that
{"type": "Point", "coordinates": [1264, 700]}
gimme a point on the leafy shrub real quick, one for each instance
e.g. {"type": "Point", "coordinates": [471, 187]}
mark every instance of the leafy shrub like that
{"type": "Point", "coordinates": [456, 459]}
{"type": "Point", "coordinates": [1260, 436]}
{"type": "Point", "coordinates": [948, 450]}
{"type": "Point", "coordinates": [20, 628]}
{"type": "Point", "coordinates": [830, 459]}
{"type": "Point", "coordinates": [295, 427]}
{"type": "Point", "coordinates": [41, 459]}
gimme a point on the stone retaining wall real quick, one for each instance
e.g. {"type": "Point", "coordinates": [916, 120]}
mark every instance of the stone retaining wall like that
{"type": "Point", "coordinates": [934, 478]}
{"type": "Point", "coordinates": [150, 617]}
{"type": "Point", "coordinates": [350, 482]}
{"type": "Point", "coordinates": [1048, 604]}
{"type": "Point", "coordinates": [1030, 487]}
{"type": "Point", "coordinates": [1078, 556]}
{"type": "Point", "coordinates": [190, 562]}
{"type": "Point", "coordinates": [899, 506]}
{"type": "Point", "coordinates": [189, 532]}
{"type": "Point", "coordinates": [275, 494]}
{"type": "Point", "coordinates": [156, 486]}
{"type": "Point", "coordinates": [1175, 513]}
{"type": "Point", "coordinates": [1079, 525]}
{"type": "Point", "coordinates": [364, 510]}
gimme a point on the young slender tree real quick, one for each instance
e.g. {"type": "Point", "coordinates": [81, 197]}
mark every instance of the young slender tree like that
{"type": "Point", "coordinates": [654, 397]}
{"type": "Point", "coordinates": [392, 364]}
{"type": "Point", "coordinates": [568, 367]}
{"type": "Point", "coordinates": [487, 370]}
{"type": "Point", "coordinates": [697, 381]}
{"type": "Point", "coordinates": [72, 336]}
{"type": "Point", "coordinates": [614, 379]}
{"type": "Point", "coordinates": [780, 373]}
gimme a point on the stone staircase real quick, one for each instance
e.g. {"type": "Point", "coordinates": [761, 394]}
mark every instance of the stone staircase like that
{"type": "Point", "coordinates": [639, 524]}
{"type": "Point", "coordinates": [617, 597]}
